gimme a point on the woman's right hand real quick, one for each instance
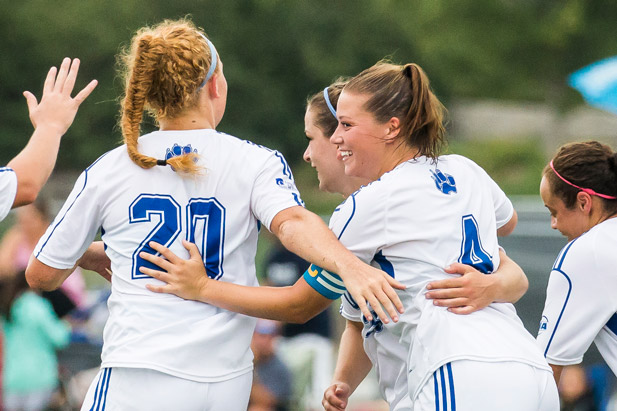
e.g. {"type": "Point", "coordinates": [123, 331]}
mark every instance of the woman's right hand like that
{"type": "Point", "coordinates": [369, 285]}
{"type": "Point", "coordinates": [57, 109]}
{"type": "Point", "coordinates": [185, 278]}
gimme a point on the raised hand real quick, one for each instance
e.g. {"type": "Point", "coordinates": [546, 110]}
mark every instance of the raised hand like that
{"type": "Point", "coordinates": [57, 109]}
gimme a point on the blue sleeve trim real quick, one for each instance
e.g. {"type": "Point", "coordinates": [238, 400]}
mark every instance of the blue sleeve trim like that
{"type": "Point", "coordinates": [557, 268]}
{"type": "Point", "coordinates": [71, 206]}
{"type": "Point", "coordinates": [325, 283]}
{"type": "Point", "coordinates": [353, 212]}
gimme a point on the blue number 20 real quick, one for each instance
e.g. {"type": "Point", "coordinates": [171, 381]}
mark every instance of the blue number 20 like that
{"type": "Point", "coordinates": [472, 252]}
{"type": "Point", "coordinates": [211, 234]}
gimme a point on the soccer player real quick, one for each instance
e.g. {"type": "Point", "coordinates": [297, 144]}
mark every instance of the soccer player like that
{"type": "Point", "coordinates": [318, 288]}
{"type": "Point", "coordinates": [422, 212]}
{"type": "Point", "coordinates": [579, 187]}
{"type": "Point", "coordinates": [184, 181]}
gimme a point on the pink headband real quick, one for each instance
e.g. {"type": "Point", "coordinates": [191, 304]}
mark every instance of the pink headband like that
{"type": "Point", "coordinates": [585, 190]}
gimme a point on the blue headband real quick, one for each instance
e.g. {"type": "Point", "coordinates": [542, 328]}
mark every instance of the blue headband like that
{"type": "Point", "coordinates": [327, 98]}
{"type": "Point", "coordinates": [213, 61]}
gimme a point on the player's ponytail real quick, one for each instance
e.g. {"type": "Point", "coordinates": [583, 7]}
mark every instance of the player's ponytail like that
{"type": "Point", "coordinates": [403, 92]}
{"type": "Point", "coordinates": [424, 120]}
{"type": "Point", "coordinates": [164, 68]}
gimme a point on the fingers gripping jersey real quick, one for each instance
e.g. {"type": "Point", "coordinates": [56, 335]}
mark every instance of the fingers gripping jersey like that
{"type": "Point", "coordinates": [8, 188]}
{"type": "Point", "coordinates": [412, 222]}
{"type": "Point", "coordinates": [580, 305]}
{"type": "Point", "coordinates": [244, 184]}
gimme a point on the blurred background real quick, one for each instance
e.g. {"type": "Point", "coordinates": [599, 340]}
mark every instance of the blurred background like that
{"type": "Point", "coordinates": [500, 67]}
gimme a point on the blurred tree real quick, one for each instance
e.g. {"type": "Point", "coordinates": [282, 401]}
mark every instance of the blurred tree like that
{"type": "Point", "coordinates": [277, 53]}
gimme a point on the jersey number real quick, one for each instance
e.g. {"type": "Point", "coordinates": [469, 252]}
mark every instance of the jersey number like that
{"type": "Point", "coordinates": [205, 222]}
{"type": "Point", "coordinates": [472, 252]}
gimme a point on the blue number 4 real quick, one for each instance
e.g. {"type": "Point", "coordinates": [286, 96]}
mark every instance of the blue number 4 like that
{"type": "Point", "coordinates": [205, 221]}
{"type": "Point", "coordinates": [472, 252]}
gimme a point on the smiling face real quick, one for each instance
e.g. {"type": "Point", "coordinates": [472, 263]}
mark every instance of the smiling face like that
{"type": "Point", "coordinates": [322, 156]}
{"type": "Point", "coordinates": [571, 222]}
{"type": "Point", "coordinates": [360, 139]}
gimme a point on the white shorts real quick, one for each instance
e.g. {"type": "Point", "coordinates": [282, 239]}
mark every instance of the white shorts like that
{"type": "Point", "coordinates": [465, 385]}
{"type": "Point", "coordinates": [124, 389]}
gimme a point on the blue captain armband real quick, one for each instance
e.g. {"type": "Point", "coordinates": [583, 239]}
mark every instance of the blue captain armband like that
{"type": "Point", "coordinates": [325, 283]}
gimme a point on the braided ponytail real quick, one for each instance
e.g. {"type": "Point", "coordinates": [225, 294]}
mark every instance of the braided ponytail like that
{"type": "Point", "coordinates": [164, 67]}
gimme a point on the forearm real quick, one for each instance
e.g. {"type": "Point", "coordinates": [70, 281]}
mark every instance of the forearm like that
{"type": "Point", "coordinates": [34, 164]}
{"type": "Point", "coordinates": [510, 280]}
{"type": "Point", "coordinates": [295, 304]}
{"type": "Point", "coordinates": [352, 364]}
{"type": "Point", "coordinates": [306, 235]}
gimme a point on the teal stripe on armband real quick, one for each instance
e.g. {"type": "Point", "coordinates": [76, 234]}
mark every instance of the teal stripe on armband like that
{"type": "Point", "coordinates": [325, 283]}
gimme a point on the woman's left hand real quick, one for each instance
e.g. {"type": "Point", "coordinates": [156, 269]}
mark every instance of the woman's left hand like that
{"type": "Point", "coordinates": [468, 291]}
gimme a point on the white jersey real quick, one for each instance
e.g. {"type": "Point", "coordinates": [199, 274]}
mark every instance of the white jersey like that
{"type": "Point", "coordinates": [412, 222]}
{"type": "Point", "coordinates": [244, 184]}
{"type": "Point", "coordinates": [8, 188]}
{"type": "Point", "coordinates": [580, 303]}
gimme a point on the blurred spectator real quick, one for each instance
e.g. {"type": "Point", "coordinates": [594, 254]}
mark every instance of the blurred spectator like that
{"type": "Point", "coordinates": [272, 380]}
{"type": "Point", "coordinates": [574, 390]}
{"type": "Point", "coordinates": [17, 246]}
{"type": "Point", "coordinates": [306, 348]}
{"type": "Point", "coordinates": [32, 334]}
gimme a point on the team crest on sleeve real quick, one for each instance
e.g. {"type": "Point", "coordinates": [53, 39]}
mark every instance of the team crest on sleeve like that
{"type": "Point", "coordinates": [444, 182]}
{"type": "Point", "coordinates": [543, 324]}
{"type": "Point", "coordinates": [285, 184]}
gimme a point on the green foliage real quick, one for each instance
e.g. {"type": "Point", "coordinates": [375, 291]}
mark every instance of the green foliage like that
{"type": "Point", "coordinates": [516, 165]}
{"type": "Point", "coordinates": [276, 53]}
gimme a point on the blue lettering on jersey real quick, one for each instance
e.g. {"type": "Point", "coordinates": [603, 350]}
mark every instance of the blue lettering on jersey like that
{"type": "Point", "coordinates": [444, 182]}
{"type": "Point", "coordinates": [543, 324]}
{"type": "Point", "coordinates": [472, 252]}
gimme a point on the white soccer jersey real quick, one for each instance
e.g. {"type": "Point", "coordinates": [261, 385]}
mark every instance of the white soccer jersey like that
{"type": "Point", "coordinates": [414, 221]}
{"type": "Point", "coordinates": [580, 303]}
{"type": "Point", "coordinates": [244, 184]}
{"type": "Point", "coordinates": [8, 188]}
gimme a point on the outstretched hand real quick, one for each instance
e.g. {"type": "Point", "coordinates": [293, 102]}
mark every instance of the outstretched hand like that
{"type": "Point", "coordinates": [336, 397]}
{"type": "Point", "coordinates": [370, 285]}
{"type": "Point", "coordinates": [185, 278]}
{"type": "Point", "coordinates": [469, 291]}
{"type": "Point", "coordinates": [57, 109]}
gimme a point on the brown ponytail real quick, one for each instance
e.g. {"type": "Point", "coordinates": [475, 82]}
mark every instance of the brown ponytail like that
{"type": "Point", "coordinates": [164, 68]}
{"type": "Point", "coordinates": [404, 92]}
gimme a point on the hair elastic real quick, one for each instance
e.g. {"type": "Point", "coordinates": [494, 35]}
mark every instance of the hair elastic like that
{"type": "Point", "coordinates": [326, 97]}
{"type": "Point", "coordinates": [585, 190]}
{"type": "Point", "coordinates": [161, 162]}
{"type": "Point", "coordinates": [213, 60]}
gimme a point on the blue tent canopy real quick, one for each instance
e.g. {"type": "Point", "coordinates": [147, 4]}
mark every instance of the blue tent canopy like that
{"type": "Point", "coordinates": [597, 83]}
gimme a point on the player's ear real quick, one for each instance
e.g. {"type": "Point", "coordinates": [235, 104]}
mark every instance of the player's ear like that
{"type": "Point", "coordinates": [584, 202]}
{"type": "Point", "coordinates": [393, 127]}
{"type": "Point", "coordinates": [213, 87]}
